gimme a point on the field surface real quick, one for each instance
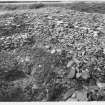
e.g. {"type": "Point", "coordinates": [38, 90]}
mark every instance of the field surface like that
{"type": "Point", "coordinates": [52, 54]}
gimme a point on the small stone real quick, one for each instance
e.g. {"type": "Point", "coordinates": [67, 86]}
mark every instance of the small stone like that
{"type": "Point", "coordinates": [76, 60]}
{"type": "Point", "coordinates": [59, 50]}
{"type": "Point", "coordinates": [104, 50]}
{"type": "Point", "coordinates": [81, 95]}
{"type": "Point", "coordinates": [84, 28]}
{"type": "Point", "coordinates": [39, 66]}
{"type": "Point", "coordinates": [85, 75]}
{"type": "Point", "coordinates": [53, 51]}
{"type": "Point", "coordinates": [71, 99]}
{"type": "Point", "coordinates": [35, 86]}
{"type": "Point", "coordinates": [46, 15]}
{"type": "Point", "coordinates": [57, 11]}
{"type": "Point", "coordinates": [78, 75]}
{"type": "Point", "coordinates": [100, 85]}
{"type": "Point", "coordinates": [69, 93]}
{"type": "Point", "coordinates": [49, 17]}
{"type": "Point", "coordinates": [59, 22]}
{"type": "Point", "coordinates": [62, 40]}
{"type": "Point", "coordinates": [71, 73]}
{"type": "Point", "coordinates": [95, 33]}
{"type": "Point", "coordinates": [76, 26]}
{"type": "Point", "coordinates": [70, 63]}
{"type": "Point", "coordinates": [27, 59]}
{"type": "Point", "coordinates": [47, 46]}
{"type": "Point", "coordinates": [73, 95]}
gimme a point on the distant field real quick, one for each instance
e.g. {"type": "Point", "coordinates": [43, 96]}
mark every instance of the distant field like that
{"type": "Point", "coordinates": [91, 7]}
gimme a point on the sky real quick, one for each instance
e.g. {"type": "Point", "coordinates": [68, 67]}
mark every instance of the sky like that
{"type": "Point", "coordinates": [53, 0]}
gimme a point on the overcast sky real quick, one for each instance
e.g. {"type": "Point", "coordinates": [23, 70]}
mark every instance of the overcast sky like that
{"type": "Point", "coordinates": [52, 0]}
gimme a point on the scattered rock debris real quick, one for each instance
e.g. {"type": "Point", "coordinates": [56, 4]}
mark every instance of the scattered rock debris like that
{"type": "Point", "coordinates": [52, 54]}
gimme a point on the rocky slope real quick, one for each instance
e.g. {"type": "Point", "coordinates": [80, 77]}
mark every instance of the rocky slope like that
{"type": "Point", "coordinates": [52, 54]}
